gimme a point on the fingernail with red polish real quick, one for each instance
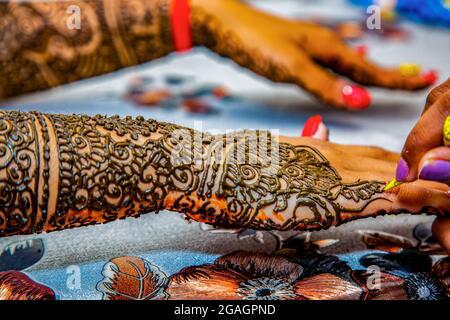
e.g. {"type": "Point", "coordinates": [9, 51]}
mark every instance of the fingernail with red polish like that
{"type": "Point", "coordinates": [430, 77]}
{"type": "Point", "coordinates": [402, 170]}
{"type": "Point", "coordinates": [436, 170]}
{"type": "Point", "coordinates": [355, 97]}
{"type": "Point", "coordinates": [311, 126]}
{"type": "Point", "coordinates": [361, 50]}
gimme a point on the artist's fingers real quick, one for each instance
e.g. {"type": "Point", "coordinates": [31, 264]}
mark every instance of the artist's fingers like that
{"type": "Point", "coordinates": [436, 93]}
{"type": "Point", "coordinates": [435, 165]}
{"type": "Point", "coordinates": [315, 128]}
{"type": "Point", "coordinates": [441, 230]}
{"type": "Point", "coordinates": [348, 62]}
{"type": "Point", "coordinates": [426, 135]}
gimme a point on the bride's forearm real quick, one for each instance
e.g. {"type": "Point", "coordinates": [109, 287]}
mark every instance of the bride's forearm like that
{"type": "Point", "coordinates": [65, 171]}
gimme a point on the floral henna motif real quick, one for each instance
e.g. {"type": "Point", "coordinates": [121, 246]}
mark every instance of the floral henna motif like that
{"type": "Point", "coordinates": [38, 50]}
{"type": "Point", "coordinates": [64, 171]}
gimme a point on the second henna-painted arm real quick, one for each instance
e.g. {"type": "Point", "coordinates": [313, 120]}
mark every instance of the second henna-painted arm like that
{"type": "Point", "coordinates": [64, 171]}
{"type": "Point", "coordinates": [41, 45]}
{"type": "Point", "coordinates": [44, 44]}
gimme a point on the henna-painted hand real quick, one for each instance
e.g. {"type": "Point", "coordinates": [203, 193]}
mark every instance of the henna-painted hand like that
{"type": "Point", "coordinates": [316, 129]}
{"type": "Point", "coordinates": [294, 52]}
{"type": "Point", "coordinates": [426, 154]}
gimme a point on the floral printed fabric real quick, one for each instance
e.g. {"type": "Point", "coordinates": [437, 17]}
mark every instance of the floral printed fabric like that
{"type": "Point", "coordinates": [392, 267]}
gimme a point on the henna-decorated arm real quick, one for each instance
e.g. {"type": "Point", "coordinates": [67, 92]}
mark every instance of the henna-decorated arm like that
{"type": "Point", "coordinates": [64, 171]}
{"type": "Point", "coordinates": [42, 47]}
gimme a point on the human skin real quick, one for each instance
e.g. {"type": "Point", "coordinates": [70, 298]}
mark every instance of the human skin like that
{"type": "Point", "coordinates": [65, 171]}
{"type": "Point", "coordinates": [425, 147]}
{"type": "Point", "coordinates": [38, 51]}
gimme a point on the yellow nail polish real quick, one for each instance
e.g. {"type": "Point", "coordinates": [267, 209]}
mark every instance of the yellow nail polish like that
{"type": "Point", "coordinates": [447, 132]}
{"type": "Point", "coordinates": [394, 183]}
{"type": "Point", "coordinates": [388, 14]}
{"type": "Point", "coordinates": [409, 69]}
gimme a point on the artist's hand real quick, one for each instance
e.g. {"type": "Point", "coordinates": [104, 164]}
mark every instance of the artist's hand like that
{"type": "Point", "coordinates": [426, 154]}
{"type": "Point", "coordinates": [411, 193]}
{"type": "Point", "coordinates": [302, 53]}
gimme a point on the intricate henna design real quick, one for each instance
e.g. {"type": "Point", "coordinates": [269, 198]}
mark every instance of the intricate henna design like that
{"type": "Point", "coordinates": [19, 175]}
{"type": "Point", "coordinates": [39, 51]}
{"type": "Point", "coordinates": [64, 171]}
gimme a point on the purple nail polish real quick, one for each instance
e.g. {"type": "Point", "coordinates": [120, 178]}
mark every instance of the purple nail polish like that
{"type": "Point", "coordinates": [402, 170]}
{"type": "Point", "coordinates": [436, 170]}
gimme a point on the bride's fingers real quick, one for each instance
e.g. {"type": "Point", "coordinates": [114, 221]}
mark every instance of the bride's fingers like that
{"type": "Point", "coordinates": [323, 84]}
{"type": "Point", "coordinates": [435, 165]}
{"type": "Point", "coordinates": [420, 194]}
{"type": "Point", "coordinates": [349, 62]}
{"type": "Point", "coordinates": [315, 128]}
{"type": "Point", "coordinates": [372, 152]}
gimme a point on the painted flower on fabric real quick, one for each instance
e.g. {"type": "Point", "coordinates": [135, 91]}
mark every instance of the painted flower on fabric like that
{"type": "Point", "coordinates": [15, 285]}
{"type": "Point", "coordinates": [256, 276]}
{"type": "Point", "coordinates": [380, 286]}
{"type": "Point", "coordinates": [237, 276]}
{"type": "Point", "coordinates": [424, 286]}
{"type": "Point", "coordinates": [266, 289]}
{"type": "Point", "coordinates": [20, 255]}
{"type": "Point", "coordinates": [422, 240]}
{"type": "Point", "coordinates": [410, 261]}
{"type": "Point", "coordinates": [132, 278]}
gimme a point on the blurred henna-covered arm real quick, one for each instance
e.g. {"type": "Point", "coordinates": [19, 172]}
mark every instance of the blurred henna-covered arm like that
{"type": "Point", "coordinates": [65, 171]}
{"type": "Point", "coordinates": [44, 44]}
